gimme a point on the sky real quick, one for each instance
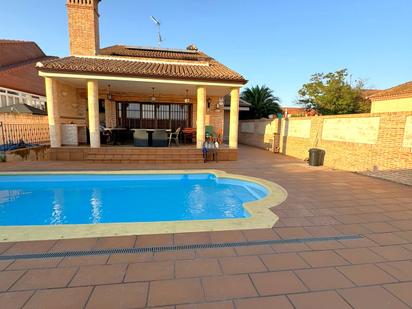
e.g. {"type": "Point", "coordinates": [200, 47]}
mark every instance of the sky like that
{"type": "Point", "coordinates": [278, 43]}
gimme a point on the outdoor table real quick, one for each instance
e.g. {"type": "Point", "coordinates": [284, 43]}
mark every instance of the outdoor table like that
{"type": "Point", "coordinates": [150, 135]}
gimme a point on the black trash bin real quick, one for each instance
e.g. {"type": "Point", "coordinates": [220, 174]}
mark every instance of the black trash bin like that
{"type": "Point", "coordinates": [316, 156]}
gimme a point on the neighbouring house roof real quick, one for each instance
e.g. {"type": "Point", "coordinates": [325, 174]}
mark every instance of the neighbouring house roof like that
{"type": "Point", "coordinates": [147, 63]}
{"type": "Point", "coordinates": [367, 93]}
{"type": "Point", "coordinates": [18, 66]}
{"type": "Point", "coordinates": [242, 103]}
{"type": "Point", "coordinates": [22, 109]}
{"type": "Point", "coordinates": [401, 91]}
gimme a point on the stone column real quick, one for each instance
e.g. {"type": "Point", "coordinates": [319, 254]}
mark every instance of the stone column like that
{"type": "Point", "coordinates": [93, 106]}
{"type": "Point", "coordinates": [53, 113]}
{"type": "Point", "coordinates": [234, 118]}
{"type": "Point", "coordinates": [200, 116]}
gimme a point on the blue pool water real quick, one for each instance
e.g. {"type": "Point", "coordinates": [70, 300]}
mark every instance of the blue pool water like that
{"type": "Point", "coordinates": [93, 199]}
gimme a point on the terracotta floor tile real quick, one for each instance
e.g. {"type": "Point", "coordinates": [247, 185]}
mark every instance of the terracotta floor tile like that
{"type": "Point", "coordinates": [292, 232]}
{"type": "Point", "coordinates": [292, 247]}
{"type": "Point", "coordinates": [154, 240]}
{"type": "Point", "coordinates": [385, 239]}
{"type": "Point", "coordinates": [406, 235]}
{"type": "Point", "coordinates": [197, 268]}
{"type": "Point", "coordinates": [7, 278]}
{"type": "Point", "coordinates": [14, 300]}
{"type": "Point", "coordinates": [115, 242]}
{"type": "Point", "coordinates": [4, 264]}
{"type": "Point", "coordinates": [59, 298]}
{"type": "Point", "coordinates": [323, 279]}
{"type": "Point", "coordinates": [380, 227]}
{"type": "Point", "coordinates": [371, 297]}
{"type": "Point", "coordinates": [34, 263]}
{"type": "Point", "coordinates": [74, 244]}
{"type": "Point", "coordinates": [126, 295]}
{"type": "Point", "coordinates": [393, 253]}
{"type": "Point", "coordinates": [227, 236]}
{"type": "Point", "coordinates": [351, 229]}
{"type": "Point", "coordinates": [214, 305]}
{"type": "Point", "coordinates": [4, 246]}
{"type": "Point", "coordinates": [359, 255]}
{"type": "Point", "coordinates": [192, 238]}
{"type": "Point", "coordinates": [84, 260]}
{"type": "Point", "coordinates": [318, 300]}
{"type": "Point", "coordinates": [260, 234]}
{"type": "Point", "coordinates": [322, 258]}
{"type": "Point", "coordinates": [149, 271]}
{"type": "Point", "coordinates": [171, 292]}
{"type": "Point", "coordinates": [401, 270]}
{"type": "Point", "coordinates": [402, 291]}
{"type": "Point", "coordinates": [322, 231]}
{"type": "Point", "coordinates": [271, 302]}
{"type": "Point", "coordinates": [30, 247]}
{"type": "Point", "coordinates": [295, 221]}
{"type": "Point", "coordinates": [275, 283]}
{"type": "Point", "coordinates": [325, 245]}
{"type": "Point", "coordinates": [99, 274]}
{"type": "Point", "coordinates": [215, 252]}
{"type": "Point", "coordinates": [254, 250]}
{"type": "Point", "coordinates": [241, 264]}
{"type": "Point", "coordinates": [128, 258]}
{"type": "Point", "coordinates": [358, 243]}
{"type": "Point", "coordinates": [174, 255]}
{"type": "Point", "coordinates": [366, 274]}
{"type": "Point", "coordinates": [405, 225]}
{"type": "Point", "coordinates": [44, 279]}
{"type": "Point", "coordinates": [283, 261]}
{"type": "Point", "coordinates": [322, 220]}
{"type": "Point", "coordinates": [228, 287]}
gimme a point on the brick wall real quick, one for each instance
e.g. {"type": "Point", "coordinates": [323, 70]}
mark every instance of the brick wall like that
{"type": "Point", "coordinates": [83, 18]}
{"type": "Point", "coordinates": [30, 128]}
{"type": "Point", "coordinates": [375, 144]}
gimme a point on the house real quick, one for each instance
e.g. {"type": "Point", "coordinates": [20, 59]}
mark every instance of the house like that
{"type": "Point", "coordinates": [19, 79]}
{"type": "Point", "coordinates": [135, 87]}
{"type": "Point", "coordinates": [395, 99]}
{"type": "Point", "coordinates": [297, 112]}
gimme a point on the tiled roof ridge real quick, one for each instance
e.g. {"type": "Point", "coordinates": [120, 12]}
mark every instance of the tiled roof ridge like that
{"type": "Point", "coordinates": [8, 41]}
{"type": "Point", "coordinates": [214, 72]}
{"type": "Point", "coordinates": [146, 60]}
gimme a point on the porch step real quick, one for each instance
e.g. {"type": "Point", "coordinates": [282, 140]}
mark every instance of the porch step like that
{"type": "Point", "coordinates": [144, 155]}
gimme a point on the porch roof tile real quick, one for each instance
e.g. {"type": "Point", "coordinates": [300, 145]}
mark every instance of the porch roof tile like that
{"type": "Point", "coordinates": [147, 63]}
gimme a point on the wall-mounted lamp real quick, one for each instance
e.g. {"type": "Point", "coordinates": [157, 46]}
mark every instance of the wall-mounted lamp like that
{"type": "Point", "coordinates": [220, 104]}
{"type": "Point", "coordinates": [209, 102]}
{"type": "Point", "coordinates": [153, 98]}
{"type": "Point", "coordinates": [187, 100]}
{"type": "Point", "coordinates": [109, 93]}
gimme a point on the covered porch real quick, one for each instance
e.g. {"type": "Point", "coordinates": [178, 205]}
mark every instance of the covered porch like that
{"type": "Point", "coordinates": [82, 109]}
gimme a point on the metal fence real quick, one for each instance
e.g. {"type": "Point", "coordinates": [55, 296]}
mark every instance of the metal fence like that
{"type": "Point", "coordinates": [14, 134]}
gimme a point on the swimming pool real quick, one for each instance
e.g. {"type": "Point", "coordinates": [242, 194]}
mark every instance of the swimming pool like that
{"type": "Point", "coordinates": [57, 205]}
{"type": "Point", "coordinates": [105, 198]}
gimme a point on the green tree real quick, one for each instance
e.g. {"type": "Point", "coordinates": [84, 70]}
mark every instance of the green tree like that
{"type": "Point", "coordinates": [331, 94]}
{"type": "Point", "coordinates": [264, 103]}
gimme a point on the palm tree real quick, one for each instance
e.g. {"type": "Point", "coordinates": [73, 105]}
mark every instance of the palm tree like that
{"type": "Point", "coordinates": [264, 103]}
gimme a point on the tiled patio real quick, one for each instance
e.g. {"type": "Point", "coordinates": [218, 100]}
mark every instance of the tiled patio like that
{"type": "Point", "coordinates": [372, 272]}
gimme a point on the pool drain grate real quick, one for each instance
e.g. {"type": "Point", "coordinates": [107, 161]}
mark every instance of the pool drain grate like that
{"type": "Point", "coordinates": [46, 255]}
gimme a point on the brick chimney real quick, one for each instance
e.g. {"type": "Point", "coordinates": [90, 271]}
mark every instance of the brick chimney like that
{"type": "Point", "coordinates": [83, 18]}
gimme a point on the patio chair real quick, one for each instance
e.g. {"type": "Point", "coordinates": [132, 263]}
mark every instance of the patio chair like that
{"type": "Point", "coordinates": [140, 138]}
{"type": "Point", "coordinates": [175, 136]}
{"type": "Point", "coordinates": [160, 138]}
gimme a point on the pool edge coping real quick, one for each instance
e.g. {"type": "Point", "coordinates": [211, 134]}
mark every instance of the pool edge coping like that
{"type": "Point", "coordinates": [261, 216]}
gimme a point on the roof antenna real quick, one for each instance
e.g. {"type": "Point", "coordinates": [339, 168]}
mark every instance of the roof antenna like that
{"type": "Point", "coordinates": [159, 36]}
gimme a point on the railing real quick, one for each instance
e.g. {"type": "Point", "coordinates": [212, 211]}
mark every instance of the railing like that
{"type": "Point", "coordinates": [14, 134]}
